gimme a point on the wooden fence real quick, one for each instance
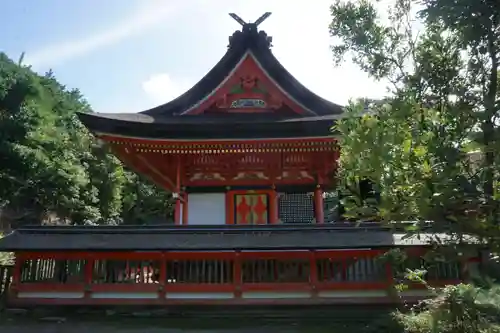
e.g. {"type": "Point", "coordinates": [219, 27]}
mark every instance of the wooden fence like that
{"type": "Point", "coordinates": [231, 277]}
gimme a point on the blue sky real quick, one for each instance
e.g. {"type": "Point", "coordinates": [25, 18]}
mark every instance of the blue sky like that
{"type": "Point", "coordinates": [129, 55]}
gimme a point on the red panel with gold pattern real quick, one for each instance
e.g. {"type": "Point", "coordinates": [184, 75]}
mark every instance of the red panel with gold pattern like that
{"type": "Point", "coordinates": [251, 209]}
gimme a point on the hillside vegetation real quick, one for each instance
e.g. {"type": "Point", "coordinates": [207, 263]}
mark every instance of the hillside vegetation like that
{"type": "Point", "coordinates": [51, 169]}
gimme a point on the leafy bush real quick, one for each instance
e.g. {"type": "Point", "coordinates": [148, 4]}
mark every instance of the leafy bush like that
{"type": "Point", "coordinates": [5, 257]}
{"type": "Point", "coordinates": [462, 308]}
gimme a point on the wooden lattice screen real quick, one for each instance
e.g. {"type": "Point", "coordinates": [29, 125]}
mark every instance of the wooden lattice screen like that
{"type": "Point", "coordinates": [296, 208]}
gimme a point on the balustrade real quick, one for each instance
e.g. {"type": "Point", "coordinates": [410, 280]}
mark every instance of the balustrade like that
{"type": "Point", "coordinates": [207, 272]}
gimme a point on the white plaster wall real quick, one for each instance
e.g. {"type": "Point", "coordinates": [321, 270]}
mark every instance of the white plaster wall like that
{"type": "Point", "coordinates": [207, 208]}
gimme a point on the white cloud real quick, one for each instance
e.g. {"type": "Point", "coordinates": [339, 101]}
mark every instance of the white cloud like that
{"type": "Point", "coordinates": [147, 16]}
{"type": "Point", "coordinates": [160, 88]}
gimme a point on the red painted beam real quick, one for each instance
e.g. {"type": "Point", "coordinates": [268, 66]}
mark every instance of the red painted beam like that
{"type": "Point", "coordinates": [166, 143]}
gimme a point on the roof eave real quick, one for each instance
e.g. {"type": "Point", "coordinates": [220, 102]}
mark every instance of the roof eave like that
{"type": "Point", "coordinates": [200, 131]}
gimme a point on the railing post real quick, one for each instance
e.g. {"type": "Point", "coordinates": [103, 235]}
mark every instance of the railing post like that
{"type": "Point", "coordinates": [16, 270]}
{"type": "Point", "coordinates": [88, 276]}
{"type": "Point", "coordinates": [162, 283]}
{"type": "Point", "coordinates": [313, 271]}
{"type": "Point", "coordinates": [237, 275]}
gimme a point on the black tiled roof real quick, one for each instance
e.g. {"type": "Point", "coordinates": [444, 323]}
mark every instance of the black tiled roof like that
{"type": "Point", "coordinates": [165, 120]}
{"type": "Point", "coordinates": [215, 238]}
{"type": "Point", "coordinates": [198, 127]}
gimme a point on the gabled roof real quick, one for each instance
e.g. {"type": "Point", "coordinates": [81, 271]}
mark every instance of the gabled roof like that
{"type": "Point", "coordinates": [296, 110]}
{"type": "Point", "coordinates": [244, 44]}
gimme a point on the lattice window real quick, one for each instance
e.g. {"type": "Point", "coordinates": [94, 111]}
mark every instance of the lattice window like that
{"type": "Point", "coordinates": [61, 271]}
{"type": "Point", "coordinates": [216, 271]}
{"type": "Point", "coordinates": [126, 271]}
{"type": "Point", "coordinates": [296, 208]}
{"type": "Point", "coordinates": [275, 271]}
{"type": "Point", "coordinates": [351, 269]}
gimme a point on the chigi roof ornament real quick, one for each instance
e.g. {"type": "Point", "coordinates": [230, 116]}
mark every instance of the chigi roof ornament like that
{"type": "Point", "coordinates": [250, 26]}
{"type": "Point", "coordinates": [250, 30]}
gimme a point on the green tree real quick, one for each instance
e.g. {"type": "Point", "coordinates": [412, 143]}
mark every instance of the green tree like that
{"type": "Point", "coordinates": [51, 167]}
{"type": "Point", "coordinates": [415, 144]}
{"type": "Point", "coordinates": [143, 202]}
{"type": "Point", "coordinates": [477, 28]}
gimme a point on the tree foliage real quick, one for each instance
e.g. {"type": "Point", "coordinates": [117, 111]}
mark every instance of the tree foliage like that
{"type": "Point", "coordinates": [52, 168]}
{"type": "Point", "coordinates": [415, 145]}
{"type": "Point", "coordinates": [458, 309]}
{"type": "Point", "coordinates": [419, 146]}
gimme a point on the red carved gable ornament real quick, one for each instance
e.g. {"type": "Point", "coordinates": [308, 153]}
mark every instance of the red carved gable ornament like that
{"type": "Point", "coordinates": [249, 82]}
{"type": "Point", "coordinates": [248, 89]}
{"type": "Point", "coordinates": [249, 95]}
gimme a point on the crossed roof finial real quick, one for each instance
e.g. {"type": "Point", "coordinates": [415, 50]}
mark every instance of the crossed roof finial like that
{"type": "Point", "coordinates": [244, 24]}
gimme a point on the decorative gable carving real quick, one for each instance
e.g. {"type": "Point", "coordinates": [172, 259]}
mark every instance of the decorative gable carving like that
{"type": "Point", "coordinates": [247, 90]}
{"type": "Point", "coordinates": [249, 95]}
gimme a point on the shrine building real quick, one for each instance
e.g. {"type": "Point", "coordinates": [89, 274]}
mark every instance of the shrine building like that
{"type": "Point", "coordinates": [249, 156]}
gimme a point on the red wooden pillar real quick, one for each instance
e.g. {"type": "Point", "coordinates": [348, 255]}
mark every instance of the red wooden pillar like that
{"type": "Point", "coordinates": [230, 208]}
{"type": "Point", "coordinates": [177, 212]}
{"type": "Point", "coordinates": [16, 274]}
{"type": "Point", "coordinates": [273, 207]}
{"type": "Point", "coordinates": [184, 208]}
{"type": "Point", "coordinates": [318, 205]}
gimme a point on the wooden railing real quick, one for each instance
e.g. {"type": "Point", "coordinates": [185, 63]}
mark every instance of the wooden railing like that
{"type": "Point", "coordinates": [235, 273]}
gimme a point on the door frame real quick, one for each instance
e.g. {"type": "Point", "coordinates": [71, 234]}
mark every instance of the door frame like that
{"type": "Point", "coordinates": [231, 203]}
